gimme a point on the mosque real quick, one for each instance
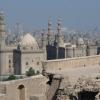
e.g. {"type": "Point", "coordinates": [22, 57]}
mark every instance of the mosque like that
{"type": "Point", "coordinates": [18, 59]}
{"type": "Point", "coordinates": [57, 48]}
{"type": "Point", "coordinates": [74, 78]}
{"type": "Point", "coordinates": [28, 52]}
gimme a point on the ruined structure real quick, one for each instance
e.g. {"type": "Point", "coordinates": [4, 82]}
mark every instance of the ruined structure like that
{"type": "Point", "coordinates": [79, 78]}
{"type": "Point", "coordinates": [74, 78]}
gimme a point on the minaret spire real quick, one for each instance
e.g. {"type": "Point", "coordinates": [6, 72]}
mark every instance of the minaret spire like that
{"type": "Point", "coordinates": [59, 25]}
{"type": "Point", "coordinates": [2, 29]}
{"type": "Point", "coordinates": [49, 31]}
{"type": "Point", "coordinates": [43, 39]}
{"type": "Point", "coordinates": [2, 25]}
{"type": "Point", "coordinates": [60, 39]}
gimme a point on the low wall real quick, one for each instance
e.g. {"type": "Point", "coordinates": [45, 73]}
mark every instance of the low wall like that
{"type": "Point", "coordinates": [60, 64]}
{"type": "Point", "coordinates": [33, 87]}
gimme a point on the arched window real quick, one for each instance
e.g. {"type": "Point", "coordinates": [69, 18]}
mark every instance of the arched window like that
{"type": "Point", "coordinates": [9, 61]}
{"type": "Point", "coordinates": [26, 63]}
{"type": "Point", "coordinates": [38, 63]}
{"type": "Point", "coordinates": [21, 86]}
{"type": "Point", "coordinates": [21, 92]}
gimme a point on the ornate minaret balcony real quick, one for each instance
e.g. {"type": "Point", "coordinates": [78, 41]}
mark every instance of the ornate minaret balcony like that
{"type": "Point", "coordinates": [2, 29]}
{"type": "Point", "coordinates": [59, 37]}
{"type": "Point", "coordinates": [49, 31]}
{"type": "Point", "coordinates": [2, 25]}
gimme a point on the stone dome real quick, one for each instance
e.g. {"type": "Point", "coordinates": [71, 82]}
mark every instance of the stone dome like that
{"type": "Point", "coordinates": [80, 41]}
{"type": "Point", "coordinates": [29, 41]}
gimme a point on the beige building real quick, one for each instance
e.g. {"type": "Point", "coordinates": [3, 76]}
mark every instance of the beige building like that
{"type": "Point", "coordinates": [28, 55]}
{"type": "Point", "coordinates": [57, 48]}
{"type": "Point", "coordinates": [65, 79]}
{"type": "Point", "coordinates": [19, 58]}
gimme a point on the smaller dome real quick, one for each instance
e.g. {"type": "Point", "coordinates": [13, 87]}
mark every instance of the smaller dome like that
{"type": "Point", "coordinates": [29, 41]}
{"type": "Point", "coordinates": [80, 41]}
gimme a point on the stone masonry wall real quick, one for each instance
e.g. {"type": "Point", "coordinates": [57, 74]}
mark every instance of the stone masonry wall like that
{"type": "Point", "coordinates": [34, 87]}
{"type": "Point", "coordinates": [61, 64]}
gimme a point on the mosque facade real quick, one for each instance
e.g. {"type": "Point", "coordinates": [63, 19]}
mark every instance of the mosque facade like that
{"type": "Point", "coordinates": [28, 53]}
{"type": "Point", "coordinates": [57, 48]}
{"type": "Point", "coordinates": [19, 58]}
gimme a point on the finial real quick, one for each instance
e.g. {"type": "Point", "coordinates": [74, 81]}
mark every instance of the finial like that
{"type": "Point", "coordinates": [59, 20]}
{"type": "Point", "coordinates": [42, 33]}
{"type": "Point", "coordinates": [1, 15]}
{"type": "Point", "coordinates": [1, 12]}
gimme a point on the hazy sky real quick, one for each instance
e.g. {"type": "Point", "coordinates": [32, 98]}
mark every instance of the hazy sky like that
{"type": "Point", "coordinates": [33, 14]}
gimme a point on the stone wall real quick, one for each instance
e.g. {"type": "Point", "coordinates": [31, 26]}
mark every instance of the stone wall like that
{"type": "Point", "coordinates": [28, 87]}
{"type": "Point", "coordinates": [23, 60]}
{"type": "Point", "coordinates": [6, 62]}
{"type": "Point", "coordinates": [61, 64]}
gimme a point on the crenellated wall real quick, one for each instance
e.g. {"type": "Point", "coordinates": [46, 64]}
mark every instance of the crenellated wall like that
{"type": "Point", "coordinates": [61, 64]}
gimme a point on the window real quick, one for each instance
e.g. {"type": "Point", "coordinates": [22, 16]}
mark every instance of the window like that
{"type": "Point", "coordinates": [38, 63]}
{"type": "Point", "coordinates": [21, 89]}
{"type": "Point", "coordinates": [26, 63]}
{"type": "Point", "coordinates": [9, 66]}
{"type": "Point", "coordinates": [24, 48]}
{"type": "Point", "coordinates": [9, 61]}
{"type": "Point", "coordinates": [32, 48]}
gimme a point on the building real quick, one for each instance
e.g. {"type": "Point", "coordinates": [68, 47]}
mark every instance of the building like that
{"type": "Point", "coordinates": [74, 78]}
{"type": "Point", "coordinates": [64, 79]}
{"type": "Point", "coordinates": [57, 48]}
{"type": "Point", "coordinates": [19, 58]}
{"type": "Point", "coordinates": [27, 55]}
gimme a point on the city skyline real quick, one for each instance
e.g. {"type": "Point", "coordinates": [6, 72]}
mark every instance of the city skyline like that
{"type": "Point", "coordinates": [33, 14]}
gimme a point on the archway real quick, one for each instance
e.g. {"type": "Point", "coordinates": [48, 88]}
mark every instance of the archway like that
{"type": "Point", "coordinates": [87, 95]}
{"type": "Point", "coordinates": [21, 92]}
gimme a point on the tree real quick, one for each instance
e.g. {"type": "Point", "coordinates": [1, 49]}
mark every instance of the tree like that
{"type": "Point", "coordinates": [11, 77]}
{"type": "Point", "coordinates": [30, 72]}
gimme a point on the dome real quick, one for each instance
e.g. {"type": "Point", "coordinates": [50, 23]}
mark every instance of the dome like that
{"type": "Point", "coordinates": [80, 41]}
{"type": "Point", "coordinates": [29, 41]}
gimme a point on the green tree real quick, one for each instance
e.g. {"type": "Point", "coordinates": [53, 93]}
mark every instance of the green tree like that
{"type": "Point", "coordinates": [11, 77]}
{"type": "Point", "coordinates": [30, 72]}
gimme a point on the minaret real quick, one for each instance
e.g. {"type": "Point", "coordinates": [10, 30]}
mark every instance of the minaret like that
{"type": "Point", "coordinates": [59, 26]}
{"type": "Point", "coordinates": [44, 43]}
{"type": "Point", "coordinates": [2, 30]}
{"type": "Point", "coordinates": [60, 39]}
{"type": "Point", "coordinates": [43, 39]}
{"type": "Point", "coordinates": [49, 32]}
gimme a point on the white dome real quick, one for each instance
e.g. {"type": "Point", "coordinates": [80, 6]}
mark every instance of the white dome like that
{"type": "Point", "coordinates": [80, 41]}
{"type": "Point", "coordinates": [29, 41]}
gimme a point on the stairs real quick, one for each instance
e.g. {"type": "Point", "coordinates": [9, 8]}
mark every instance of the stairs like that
{"type": "Point", "coordinates": [53, 88]}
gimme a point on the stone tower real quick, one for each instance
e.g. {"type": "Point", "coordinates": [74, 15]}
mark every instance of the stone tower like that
{"type": "Point", "coordinates": [43, 39]}
{"type": "Point", "coordinates": [59, 37]}
{"type": "Point", "coordinates": [49, 32]}
{"type": "Point", "coordinates": [44, 43]}
{"type": "Point", "coordinates": [2, 44]}
{"type": "Point", "coordinates": [2, 30]}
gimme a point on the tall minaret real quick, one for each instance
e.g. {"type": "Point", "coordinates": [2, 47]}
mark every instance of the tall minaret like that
{"type": "Point", "coordinates": [44, 43]}
{"type": "Point", "coordinates": [60, 38]}
{"type": "Point", "coordinates": [2, 30]}
{"type": "Point", "coordinates": [59, 26]}
{"type": "Point", "coordinates": [43, 39]}
{"type": "Point", "coordinates": [49, 32]}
